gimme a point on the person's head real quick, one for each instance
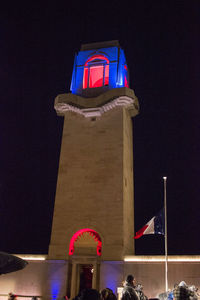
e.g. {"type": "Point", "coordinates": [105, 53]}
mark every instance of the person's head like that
{"type": "Point", "coordinates": [183, 284]}
{"type": "Point", "coordinates": [90, 294]}
{"type": "Point", "coordinates": [192, 288]}
{"type": "Point", "coordinates": [104, 294]}
{"type": "Point", "coordinates": [107, 294]}
{"type": "Point", "coordinates": [139, 287]}
{"type": "Point", "coordinates": [175, 285]}
{"type": "Point", "coordinates": [130, 279]}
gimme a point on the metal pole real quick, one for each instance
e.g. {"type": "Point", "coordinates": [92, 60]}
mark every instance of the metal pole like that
{"type": "Point", "coordinates": [166, 258]}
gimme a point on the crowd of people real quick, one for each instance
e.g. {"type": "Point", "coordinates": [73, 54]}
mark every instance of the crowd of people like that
{"type": "Point", "coordinates": [130, 292]}
{"type": "Point", "coordinates": [133, 291]}
{"type": "Point", "coordinates": [92, 294]}
{"type": "Point", "coordinates": [181, 291]}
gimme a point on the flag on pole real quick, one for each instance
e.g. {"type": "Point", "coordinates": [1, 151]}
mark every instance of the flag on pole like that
{"type": "Point", "coordinates": [155, 226]}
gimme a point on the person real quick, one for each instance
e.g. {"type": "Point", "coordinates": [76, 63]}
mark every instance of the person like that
{"type": "Point", "coordinates": [193, 295]}
{"type": "Point", "coordinates": [181, 292]}
{"type": "Point", "coordinates": [77, 297]}
{"type": "Point", "coordinates": [107, 294]}
{"type": "Point", "coordinates": [11, 296]}
{"type": "Point", "coordinates": [170, 293]}
{"type": "Point", "coordinates": [140, 293]}
{"type": "Point", "coordinates": [89, 294]}
{"type": "Point", "coordinates": [128, 292]}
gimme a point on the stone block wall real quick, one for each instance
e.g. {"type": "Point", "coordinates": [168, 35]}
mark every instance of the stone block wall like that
{"type": "Point", "coordinates": [48, 278]}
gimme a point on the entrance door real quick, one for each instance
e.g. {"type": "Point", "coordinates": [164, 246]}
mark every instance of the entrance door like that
{"type": "Point", "coordinates": [86, 275]}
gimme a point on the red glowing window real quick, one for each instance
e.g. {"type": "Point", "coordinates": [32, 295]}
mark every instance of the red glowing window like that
{"type": "Point", "coordinates": [96, 72]}
{"type": "Point", "coordinates": [96, 76]}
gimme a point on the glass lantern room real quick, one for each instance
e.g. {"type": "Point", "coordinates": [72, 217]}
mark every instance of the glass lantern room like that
{"type": "Point", "coordinates": [99, 67]}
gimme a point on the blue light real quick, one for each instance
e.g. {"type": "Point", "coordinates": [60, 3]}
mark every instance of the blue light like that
{"type": "Point", "coordinates": [55, 289]}
{"type": "Point", "coordinates": [111, 282]}
{"type": "Point", "coordinates": [116, 63]}
{"type": "Point", "coordinates": [120, 81]}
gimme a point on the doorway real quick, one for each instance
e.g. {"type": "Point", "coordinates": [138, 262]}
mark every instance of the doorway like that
{"type": "Point", "coordinates": [85, 274]}
{"type": "Point", "coordinates": [85, 277]}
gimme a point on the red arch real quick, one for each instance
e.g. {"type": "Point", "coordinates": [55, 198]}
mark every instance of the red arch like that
{"type": "Point", "coordinates": [96, 79]}
{"type": "Point", "coordinates": [97, 56]}
{"type": "Point", "coordinates": [79, 233]}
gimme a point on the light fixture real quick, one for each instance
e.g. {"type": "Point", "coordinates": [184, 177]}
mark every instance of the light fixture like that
{"type": "Point", "coordinates": [162, 258]}
{"type": "Point", "coordinates": [28, 257]}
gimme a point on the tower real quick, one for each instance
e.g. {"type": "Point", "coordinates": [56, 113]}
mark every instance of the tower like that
{"type": "Point", "coordinates": [94, 214]}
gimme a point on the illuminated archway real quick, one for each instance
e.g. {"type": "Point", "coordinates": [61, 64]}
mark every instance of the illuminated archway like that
{"type": "Point", "coordinates": [96, 72]}
{"type": "Point", "coordinates": [92, 232]}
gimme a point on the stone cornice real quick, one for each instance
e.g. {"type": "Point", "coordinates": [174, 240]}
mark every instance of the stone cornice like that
{"type": "Point", "coordinates": [95, 107]}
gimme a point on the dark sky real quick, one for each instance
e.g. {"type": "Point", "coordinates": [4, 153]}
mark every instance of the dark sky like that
{"type": "Point", "coordinates": [161, 44]}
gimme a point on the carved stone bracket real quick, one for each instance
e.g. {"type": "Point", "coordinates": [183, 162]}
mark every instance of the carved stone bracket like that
{"type": "Point", "coordinates": [62, 108]}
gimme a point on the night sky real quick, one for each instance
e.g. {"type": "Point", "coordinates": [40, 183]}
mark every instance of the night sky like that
{"type": "Point", "coordinates": [161, 40]}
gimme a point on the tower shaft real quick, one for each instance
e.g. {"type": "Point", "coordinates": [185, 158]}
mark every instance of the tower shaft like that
{"type": "Point", "coordinates": [95, 182]}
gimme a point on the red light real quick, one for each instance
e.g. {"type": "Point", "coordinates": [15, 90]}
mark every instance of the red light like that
{"type": "Point", "coordinates": [106, 80]}
{"type": "Point", "coordinates": [101, 57]}
{"type": "Point", "coordinates": [126, 82]}
{"type": "Point", "coordinates": [125, 78]}
{"type": "Point", "coordinates": [85, 78]}
{"type": "Point", "coordinates": [97, 72]}
{"type": "Point", "coordinates": [96, 76]}
{"type": "Point", "coordinates": [79, 233]}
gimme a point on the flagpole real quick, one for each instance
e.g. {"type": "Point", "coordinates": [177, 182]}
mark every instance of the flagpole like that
{"type": "Point", "coordinates": [166, 257]}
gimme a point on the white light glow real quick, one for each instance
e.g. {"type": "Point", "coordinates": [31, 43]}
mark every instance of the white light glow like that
{"type": "Point", "coordinates": [164, 177]}
{"type": "Point", "coordinates": [26, 257]}
{"type": "Point", "coordinates": [162, 258]}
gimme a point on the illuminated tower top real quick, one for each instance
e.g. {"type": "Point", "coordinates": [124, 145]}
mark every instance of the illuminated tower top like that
{"type": "Point", "coordinates": [99, 67]}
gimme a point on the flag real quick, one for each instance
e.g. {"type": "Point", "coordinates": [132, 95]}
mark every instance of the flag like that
{"type": "Point", "coordinates": [155, 226]}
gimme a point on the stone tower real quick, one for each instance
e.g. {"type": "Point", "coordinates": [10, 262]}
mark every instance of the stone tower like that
{"type": "Point", "coordinates": [94, 207]}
